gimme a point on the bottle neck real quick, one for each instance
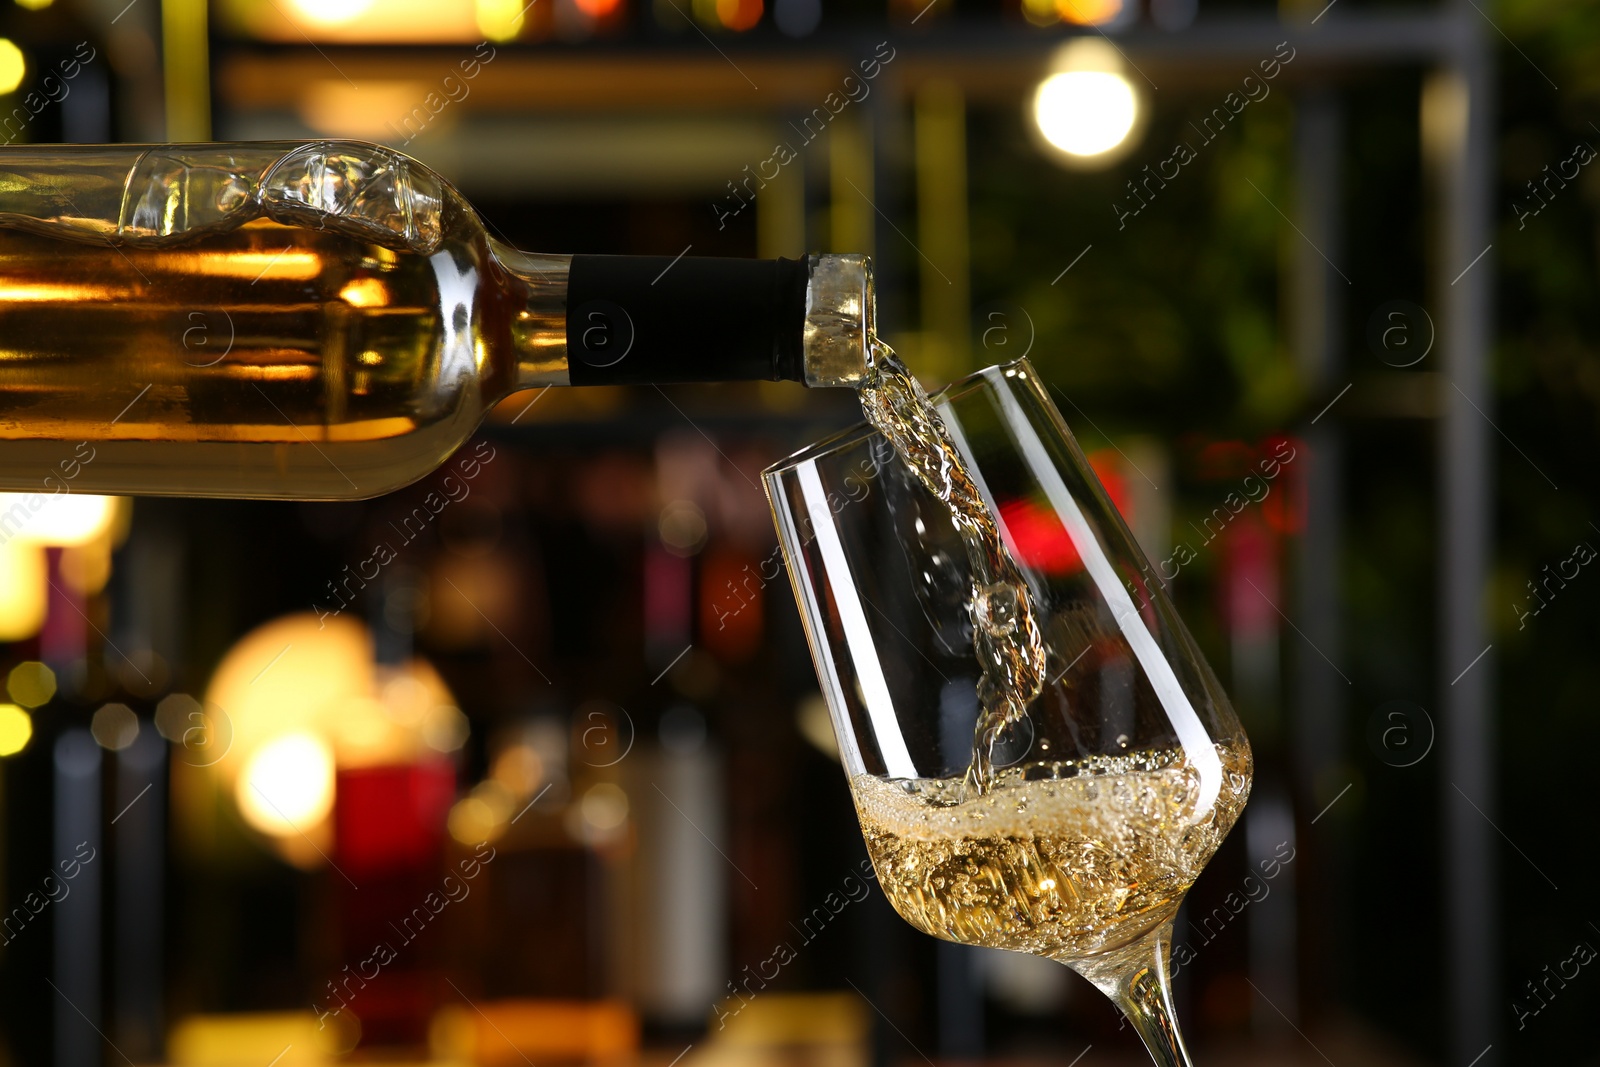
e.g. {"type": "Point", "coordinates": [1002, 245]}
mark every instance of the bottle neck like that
{"type": "Point", "coordinates": [615, 320]}
{"type": "Point", "coordinates": [539, 325]}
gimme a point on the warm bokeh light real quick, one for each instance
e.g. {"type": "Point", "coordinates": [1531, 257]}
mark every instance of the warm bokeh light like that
{"type": "Point", "coordinates": [518, 768]}
{"type": "Point", "coordinates": [471, 821]}
{"type": "Point", "coordinates": [304, 674]}
{"type": "Point", "coordinates": [86, 568]}
{"type": "Point", "coordinates": [739, 15]}
{"type": "Point", "coordinates": [445, 728]}
{"type": "Point", "coordinates": [34, 5]}
{"type": "Point", "coordinates": [57, 518]}
{"type": "Point", "coordinates": [682, 527]}
{"type": "Point", "coordinates": [294, 699]}
{"type": "Point", "coordinates": [482, 815]}
{"type": "Point", "coordinates": [24, 589]}
{"type": "Point", "coordinates": [13, 66]}
{"type": "Point", "coordinates": [1089, 12]}
{"type": "Point", "coordinates": [529, 1030]}
{"type": "Point", "coordinates": [31, 684]}
{"type": "Point", "coordinates": [283, 1039]}
{"type": "Point", "coordinates": [115, 726]}
{"type": "Point", "coordinates": [293, 674]}
{"type": "Point", "coordinates": [330, 12]}
{"type": "Point", "coordinates": [411, 711]}
{"type": "Point", "coordinates": [16, 727]}
{"type": "Point", "coordinates": [1040, 12]}
{"type": "Point", "coordinates": [408, 696]}
{"type": "Point", "coordinates": [357, 21]}
{"type": "Point", "coordinates": [287, 786]}
{"type": "Point", "coordinates": [500, 20]}
{"type": "Point", "coordinates": [363, 736]}
{"type": "Point", "coordinates": [177, 715]}
{"type": "Point", "coordinates": [1085, 112]}
{"type": "Point", "coordinates": [378, 110]}
{"type": "Point", "coordinates": [605, 806]}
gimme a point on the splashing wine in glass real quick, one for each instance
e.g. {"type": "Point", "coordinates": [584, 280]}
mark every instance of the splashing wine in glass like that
{"type": "Point", "coordinates": [1081, 848]}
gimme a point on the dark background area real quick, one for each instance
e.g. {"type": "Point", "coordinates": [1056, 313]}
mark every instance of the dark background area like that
{"type": "Point", "coordinates": [1178, 348]}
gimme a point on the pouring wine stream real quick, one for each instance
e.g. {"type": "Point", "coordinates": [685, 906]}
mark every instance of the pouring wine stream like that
{"type": "Point", "coordinates": [1005, 627]}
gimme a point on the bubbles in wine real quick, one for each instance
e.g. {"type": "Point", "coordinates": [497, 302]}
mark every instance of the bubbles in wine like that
{"type": "Point", "coordinates": [1064, 859]}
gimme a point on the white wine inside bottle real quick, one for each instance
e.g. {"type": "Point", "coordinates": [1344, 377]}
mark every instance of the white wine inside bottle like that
{"type": "Point", "coordinates": [326, 320]}
{"type": "Point", "coordinates": [269, 360]}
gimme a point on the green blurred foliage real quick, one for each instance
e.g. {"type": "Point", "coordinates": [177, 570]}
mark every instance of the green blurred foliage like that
{"type": "Point", "coordinates": [1174, 325]}
{"type": "Point", "coordinates": [1171, 317]}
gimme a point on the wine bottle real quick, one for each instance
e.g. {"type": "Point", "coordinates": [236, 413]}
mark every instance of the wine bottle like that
{"type": "Point", "coordinates": [331, 320]}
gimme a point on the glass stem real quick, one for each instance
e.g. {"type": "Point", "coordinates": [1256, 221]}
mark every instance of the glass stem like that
{"type": "Point", "coordinates": [1136, 978]}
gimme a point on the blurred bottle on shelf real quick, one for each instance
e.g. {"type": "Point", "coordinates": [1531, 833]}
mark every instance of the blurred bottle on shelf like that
{"type": "Point", "coordinates": [331, 320]}
{"type": "Point", "coordinates": [679, 893]}
{"type": "Point", "coordinates": [549, 826]}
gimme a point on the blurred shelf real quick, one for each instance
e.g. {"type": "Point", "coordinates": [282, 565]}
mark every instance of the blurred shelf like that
{"type": "Point", "coordinates": [768, 73]}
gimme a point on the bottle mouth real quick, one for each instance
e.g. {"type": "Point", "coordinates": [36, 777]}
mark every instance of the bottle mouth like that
{"type": "Point", "coordinates": [840, 322]}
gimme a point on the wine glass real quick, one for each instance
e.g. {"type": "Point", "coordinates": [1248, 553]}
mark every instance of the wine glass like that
{"type": "Point", "coordinates": [1105, 801]}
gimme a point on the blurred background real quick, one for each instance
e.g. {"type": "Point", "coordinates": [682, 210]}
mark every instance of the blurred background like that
{"type": "Point", "coordinates": [555, 785]}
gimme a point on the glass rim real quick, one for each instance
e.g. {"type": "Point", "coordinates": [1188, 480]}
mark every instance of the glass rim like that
{"type": "Point", "coordinates": [861, 431]}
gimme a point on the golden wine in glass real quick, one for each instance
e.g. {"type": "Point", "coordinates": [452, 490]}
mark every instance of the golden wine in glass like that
{"type": "Point", "coordinates": [1041, 760]}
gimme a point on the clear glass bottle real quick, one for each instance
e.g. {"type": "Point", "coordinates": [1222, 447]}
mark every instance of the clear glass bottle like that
{"type": "Point", "coordinates": [331, 320]}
